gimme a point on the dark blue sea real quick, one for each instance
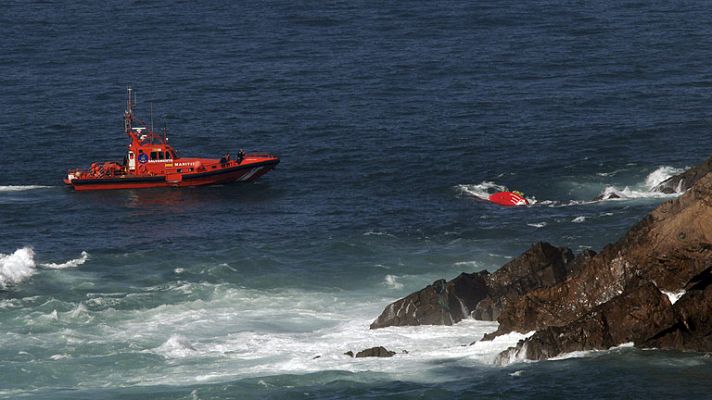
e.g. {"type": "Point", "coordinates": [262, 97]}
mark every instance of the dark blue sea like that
{"type": "Point", "coordinates": [392, 121]}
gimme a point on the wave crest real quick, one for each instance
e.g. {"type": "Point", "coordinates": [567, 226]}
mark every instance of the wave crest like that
{"type": "Point", "coordinates": [69, 264]}
{"type": "Point", "coordinates": [643, 189]}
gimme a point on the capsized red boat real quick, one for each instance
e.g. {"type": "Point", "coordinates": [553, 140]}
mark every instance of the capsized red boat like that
{"type": "Point", "coordinates": [151, 162]}
{"type": "Point", "coordinates": [509, 199]}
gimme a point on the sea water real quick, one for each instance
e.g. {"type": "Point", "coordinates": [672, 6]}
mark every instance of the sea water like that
{"type": "Point", "coordinates": [393, 121]}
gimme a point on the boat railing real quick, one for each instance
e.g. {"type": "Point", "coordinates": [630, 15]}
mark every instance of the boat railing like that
{"type": "Point", "coordinates": [261, 155]}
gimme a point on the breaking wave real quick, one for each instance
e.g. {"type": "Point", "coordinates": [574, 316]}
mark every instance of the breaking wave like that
{"type": "Point", "coordinates": [20, 265]}
{"type": "Point", "coordinates": [643, 189]}
{"type": "Point", "coordinates": [69, 264]}
{"type": "Point", "coordinates": [16, 267]}
{"type": "Point", "coordinates": [177, 346]}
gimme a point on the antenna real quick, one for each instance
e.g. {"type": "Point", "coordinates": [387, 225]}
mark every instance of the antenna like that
{"type": "Point", "coordinates": [128, 114]}
{"type": "Point", "coordinates": [165, 128]}
{"type": "Point", "coordinates": [151, 117]}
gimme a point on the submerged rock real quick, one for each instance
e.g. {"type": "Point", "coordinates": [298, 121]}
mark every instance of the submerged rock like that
{"type": "Point", "coordinates": [482, 294]}
{"type": "Point", "coordinates": [607, 196]}
{"type": "Point", "coordinates": [378, 351]}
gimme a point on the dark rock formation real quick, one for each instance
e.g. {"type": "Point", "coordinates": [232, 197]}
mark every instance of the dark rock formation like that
{"type": "Point", "coordinates": [670, 246]}
{"type": "Point", "coordinates": [636, 316]}
{"type": "Point", "coordinates": [542, 265]}
{"type": "Point", "coordinates": [483, 294]}
{"type": "Point", "coordinates": [442, 303]}
{"type": "Point", "coordinates": [693, 327]}
{"type": "Point", "coordinates": [682, 182]}
{"type": "Point", "coordinates": [349, 353]}
{"type": "Point", "coordinates": [379, 351]}
{"type": "Point", "coordinates": [607, 196]}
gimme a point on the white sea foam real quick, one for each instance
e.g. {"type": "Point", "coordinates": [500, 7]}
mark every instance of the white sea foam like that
{"type": "Point", "coordinates": [579, 219]}
{"type": "Point", "coordinates": [392, 282]}
{"type": "Point", "coordinates": [69, 264]}
{"type": "Point", "coordinates": [378, 233]}
{"type": "Point", "coordinates": [20, 188]}
{"type": "Point", "coordinates": [643, 189]}
{"type": "Point", "coordinates": [611, 173]}
{"type": "Point", "coordinates": [481, 190]}
{"type": "Point", "coordinates": [176, 346]}
{"type": "Point", "coordinates": [537, 224]}
{"type": "Point", "coordinates": [237, 332]}
{"type": "Point", "coordinates": [674, 296]}
{"type": "Point", "coordinates": [466, 264]}
{"type": "Point", "coordinates": [588, 353]}
{"type": "Point", "coordinates": [16, 267]}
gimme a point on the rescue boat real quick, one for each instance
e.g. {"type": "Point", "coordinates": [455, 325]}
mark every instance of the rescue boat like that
{"type": "Point", "coordinates": [151, 162]}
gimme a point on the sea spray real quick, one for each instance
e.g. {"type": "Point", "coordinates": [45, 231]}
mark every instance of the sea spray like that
{"type": "Point", "coordinates": [643, 189]}
{"type": "Point", "coordinates": [16, 267]}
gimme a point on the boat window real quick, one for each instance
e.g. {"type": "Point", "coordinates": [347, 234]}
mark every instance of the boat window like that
{"type": "Point", "coordinates": [160, 155]}
{"type": "Point", "coordinates": [168, 155]}
{"type": "Point", "coordinates": [154, 155]}
{"type": "Point", "coordinates": [179, 170]}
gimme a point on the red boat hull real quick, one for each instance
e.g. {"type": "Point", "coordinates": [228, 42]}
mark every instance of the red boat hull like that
{"type": "Point", "coordinates": [508, 199]}
{"type": "Point", "coordinates": [245, 172]}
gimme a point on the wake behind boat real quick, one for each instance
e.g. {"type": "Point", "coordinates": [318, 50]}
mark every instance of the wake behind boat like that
{"type": "Point", "coordinates": [152, 162]}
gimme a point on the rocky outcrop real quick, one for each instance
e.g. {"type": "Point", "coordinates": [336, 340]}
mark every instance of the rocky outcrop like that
{"type": "Point", "coordinates": [670, 246]}
{"type": "Point", "coordinates": [682, 182]}
{"type": "Point", "coordinates": [637, 315]}
{"type": "Point", "coordinates": [483, 294]}
{"type": "Point", "coordinates": [442, 303]}
{"type": "Point", "coordinates": [692, 329]}
{"type": "Point", "coordinates": [378, 351]}
{"type": "Point", "coordinates": [542, 265]}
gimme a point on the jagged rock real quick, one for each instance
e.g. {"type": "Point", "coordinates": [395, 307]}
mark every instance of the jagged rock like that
{"type": "Point", "coordinates": [682, 182]}
{"type": "Point", "coordinates": [669, 247]}
{"type": "Point", "coordinates": [542, 265]}
{"type": "Point", "coordinates": [483, 294]}
{"type": "Point", "coordinates": [442, 303]}
{"type": "Point", "coordinates": [635, 316]}
{"type": "Point", "coordinates": [693, 327]}
{"type": "Point", "coordinates": [349, 353]}
{"type": "Point", "coordinates": [378, 351]}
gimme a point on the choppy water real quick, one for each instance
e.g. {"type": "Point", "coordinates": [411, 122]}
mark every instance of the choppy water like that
{"type": "Point", "coordinates": [391, 119]}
